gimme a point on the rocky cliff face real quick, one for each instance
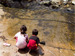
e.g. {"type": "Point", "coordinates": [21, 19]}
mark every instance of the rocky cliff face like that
{"type": "Point", "coordinates": [25, 3]}
{"type": "Point", "coordinates": [14, 3]}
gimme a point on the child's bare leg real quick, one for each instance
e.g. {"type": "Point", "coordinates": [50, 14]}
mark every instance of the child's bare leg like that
{"type": "Point", "coordinates": [40, 51]}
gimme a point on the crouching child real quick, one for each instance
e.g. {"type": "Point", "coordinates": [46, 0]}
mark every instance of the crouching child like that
{"type": "Point", "coordinates": [21, 37]}
{"type": "Point", "coordinates": [34, 41]}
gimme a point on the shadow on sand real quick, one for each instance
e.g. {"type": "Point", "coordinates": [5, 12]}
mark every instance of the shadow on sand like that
{"type": "Point", "coordinates": [31, 52]}
{"type": "Point", "coordinates": [23, 51]}
{"type": "Point", "coordinates": [34, 52]}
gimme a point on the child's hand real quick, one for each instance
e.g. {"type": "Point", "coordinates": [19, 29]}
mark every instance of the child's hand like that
{"type": "Point", "coordinates": [14, 37]}
{"type": "Point", "coordinates": [43, 50]}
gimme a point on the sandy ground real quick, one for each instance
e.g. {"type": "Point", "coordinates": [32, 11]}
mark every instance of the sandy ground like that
{"type": "Point", "coordinates": [48, 51]}
{"type": "Point", "coordinates": [11, 50]}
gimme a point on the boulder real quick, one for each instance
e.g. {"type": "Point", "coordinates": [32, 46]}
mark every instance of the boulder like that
{"type": "Point", "coordinates": [73, 1]}
{"type": "Point", "coordinates": [69, 9]}
{"type": "Point", "coordinates": [55, 6]}
{"type": "Point", "coordinates": [14, 3]}
{"type": "Point", "coordinates": [46, 3]}
{"type": "Point", "coordinates": [56, 1]}
{"type": "Point", "coordinates": [65, 1]}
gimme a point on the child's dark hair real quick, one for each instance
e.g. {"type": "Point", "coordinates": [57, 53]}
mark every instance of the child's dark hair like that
{"type": "Point", "coordinates": [35, 32]}
{"type": "Point", "coordinates": [23, 29]}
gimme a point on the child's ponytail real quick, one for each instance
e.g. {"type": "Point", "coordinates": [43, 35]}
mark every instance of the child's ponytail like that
{"type": "Point", "coordinates": [23, 29]}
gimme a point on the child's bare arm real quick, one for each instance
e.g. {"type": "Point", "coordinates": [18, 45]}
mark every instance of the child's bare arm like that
{"type": "Point", "coordinates": [40, 47]}
{"type": "Point", "coordinates": [27, 40]}
{"type": "Point", "coordinates": [14, 37]}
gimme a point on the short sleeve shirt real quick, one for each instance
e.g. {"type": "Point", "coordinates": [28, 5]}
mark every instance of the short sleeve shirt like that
{"type": "Point", "coordinates": [35, 38]}
{"type": "Point", "coordinates": [21, 40]}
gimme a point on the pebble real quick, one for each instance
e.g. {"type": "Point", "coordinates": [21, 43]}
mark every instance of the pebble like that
{"type": "Point", "coordinates": [74, 54]}
{"type": "Point", "coordinates": [17, 55]}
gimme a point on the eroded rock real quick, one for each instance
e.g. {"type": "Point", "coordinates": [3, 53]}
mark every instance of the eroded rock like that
{"type": "Point", "coordinates": [46, 3]}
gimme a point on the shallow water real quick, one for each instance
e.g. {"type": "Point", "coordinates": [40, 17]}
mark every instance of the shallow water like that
{"type": "Point", "coordinates": [56, 28]}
